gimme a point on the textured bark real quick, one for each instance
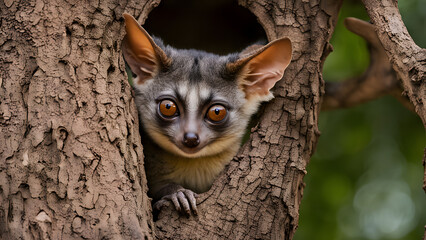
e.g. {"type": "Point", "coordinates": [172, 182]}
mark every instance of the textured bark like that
{"type": "Point", "coordinates": [407, 59]}
{"type": "Point", "coordinates": [71, 162]}
{"type": "Point", "coordinates": [378, 80]}
{"type": "Point", "coordinates": [70, 152]}
{"type": "Point", "coordinates": [258, 197]}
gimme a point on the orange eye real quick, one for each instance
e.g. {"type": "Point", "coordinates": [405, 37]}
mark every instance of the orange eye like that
{"type": "Point", "coordinates": [168, 108]}
{"type": "Point", "coordinates": [216, 113]}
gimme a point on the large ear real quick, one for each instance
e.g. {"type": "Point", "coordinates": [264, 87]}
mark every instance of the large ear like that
{"type": "Point", "coordinates": [258, 72]}
{"type": "Point", "coordinates": [144, 57]}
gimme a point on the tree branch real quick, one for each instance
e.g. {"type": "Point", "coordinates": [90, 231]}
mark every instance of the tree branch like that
{"type": "Point", "coordinates": [407, 59]}
{"type": "Point", "coordinates": [378, 80]}
{"type": "Point", "coordinates": [258, 195]}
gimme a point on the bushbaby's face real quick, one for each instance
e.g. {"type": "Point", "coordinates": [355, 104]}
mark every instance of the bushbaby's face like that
{"type": "Point", "coordinates": [193, 108]}
{"type": "Point", "coordinates": [193, 103]}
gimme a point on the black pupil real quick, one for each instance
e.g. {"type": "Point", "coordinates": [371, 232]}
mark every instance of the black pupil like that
{"type": "Point", "coordinates": [168, 105]}
{"type": "Point", "coordinates": [217, 111]}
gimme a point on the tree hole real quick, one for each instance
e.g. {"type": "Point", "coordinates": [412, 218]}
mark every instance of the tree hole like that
{"type": "Point", "coordinates": [220, 26]}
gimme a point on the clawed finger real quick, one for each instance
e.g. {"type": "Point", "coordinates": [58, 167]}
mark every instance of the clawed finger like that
{"type": "Point", "coordinates": [191, 198]}
{"type": "Point", "coordinates": [175, 201]}
{"type": "Point", "coordinates": [184, 200]}
{"type": "Point", "coordinates": [185, 204]}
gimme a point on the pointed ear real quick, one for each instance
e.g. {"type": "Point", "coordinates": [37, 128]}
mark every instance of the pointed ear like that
{"type": "Point", "coordinates": [144, 57]}
{"type": "Point", "coordinates": [258, 72]}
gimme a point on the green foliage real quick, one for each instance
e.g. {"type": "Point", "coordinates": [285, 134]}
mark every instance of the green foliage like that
{"type": "Point", "coordinates": [365, 179]}
{"type": "Point", "coordinates": [414, 16]}
{"type": "Point", "coordinates": [350, 56]}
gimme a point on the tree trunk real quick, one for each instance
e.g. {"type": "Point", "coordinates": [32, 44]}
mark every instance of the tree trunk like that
{"type": "Point", "coordinates": [407, 59]}
{"type": "Point", "coordinates": [71, 158]}
{"type": "Point", "coordinates": [259, 195]}
{"type": "Point", "coordinates": [71, 161]}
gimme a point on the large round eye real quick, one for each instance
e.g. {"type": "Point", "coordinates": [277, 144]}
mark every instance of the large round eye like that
{"type": "Point", "coordinates": [168, 108]}
{"type": "Point", "coordinates": [216, 113]}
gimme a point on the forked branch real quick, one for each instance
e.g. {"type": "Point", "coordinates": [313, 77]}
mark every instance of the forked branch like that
{"type": "Point", "coordinates": [378, 80]}
{"type": "Point", "coordinates": [407, 59]}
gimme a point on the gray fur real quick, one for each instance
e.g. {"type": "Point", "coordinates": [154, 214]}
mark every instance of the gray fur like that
{"type": "Point", "coordinates": [197, 69]}
{"type": "Point", "coordinates": [195, 81]}
{"type": "Point", "coordinates": [191, 75]}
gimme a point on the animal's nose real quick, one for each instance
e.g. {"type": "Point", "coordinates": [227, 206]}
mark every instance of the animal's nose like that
{"type": "Point", "coordinates": [191, 140]}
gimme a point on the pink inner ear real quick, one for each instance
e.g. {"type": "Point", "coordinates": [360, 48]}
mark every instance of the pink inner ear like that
{"type": "Point", "coordinates": [147, 65]}
{"type": "Point", "coordinates": [261, 83]}
{"type": "Point", "coordinates": [266, 68]}
{"type": "Point", "coordinates": [139, 51]}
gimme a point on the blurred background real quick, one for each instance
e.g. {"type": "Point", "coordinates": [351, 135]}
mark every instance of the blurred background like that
{"type": "Point", "coordinates": [365, 179]}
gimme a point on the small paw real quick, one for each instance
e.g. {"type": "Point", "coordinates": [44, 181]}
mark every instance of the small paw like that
{"type": "Point", "coordinates": [183, 200]}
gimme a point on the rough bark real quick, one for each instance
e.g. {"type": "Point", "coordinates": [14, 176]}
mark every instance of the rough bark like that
{"type": "Point", "coordinates": [407, 59]}
{"type": "Point", "coordinates": [71, 162]}
{"type": "Point", "coordinates": [69, 141]}
{"type": "Point", "coordinates": [391, 45]}
{"type": "Point", "coordinates": [378, 80]}
{"type": "Point", "coordinates": [258, 197]}
{"type": "Point", "coordinates": [69, 129]}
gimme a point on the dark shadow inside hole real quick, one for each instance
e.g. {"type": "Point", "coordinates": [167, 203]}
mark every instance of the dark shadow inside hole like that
{"type": "Point", "coordinates": [219, 26]}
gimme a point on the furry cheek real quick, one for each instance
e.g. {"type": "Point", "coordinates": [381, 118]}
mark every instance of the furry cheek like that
{"type": "Point", "coordinates": [228, 142]}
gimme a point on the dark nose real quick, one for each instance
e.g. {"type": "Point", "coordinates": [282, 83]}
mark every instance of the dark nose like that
{"type": "Point", "coordinates": [191, 140]}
